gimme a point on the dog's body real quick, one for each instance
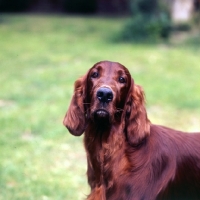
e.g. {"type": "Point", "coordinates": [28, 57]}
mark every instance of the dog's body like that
{"type": "Point", "coordinates": [128, 157]}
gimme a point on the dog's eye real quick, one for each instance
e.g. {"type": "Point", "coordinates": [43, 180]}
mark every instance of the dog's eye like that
{"type": "Point", "coordinates": [95, 75]}
{"type": "Point", "coordinates": [122, 79]}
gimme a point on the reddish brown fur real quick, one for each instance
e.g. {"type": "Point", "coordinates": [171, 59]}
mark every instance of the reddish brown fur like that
{"type": "Point", "coordinates": [128, 157]}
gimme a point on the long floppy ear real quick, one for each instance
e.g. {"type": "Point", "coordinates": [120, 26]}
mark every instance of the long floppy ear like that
{"type": "Point", "coordinates": [137, 125]}
{"type": "Point", "coordinates": [75, 119]}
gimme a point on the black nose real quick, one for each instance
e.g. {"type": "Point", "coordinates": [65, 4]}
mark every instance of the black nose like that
{"type": "Point", "coordinates": [105, 95]}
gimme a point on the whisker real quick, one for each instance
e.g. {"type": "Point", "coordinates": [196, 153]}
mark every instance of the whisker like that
{"type": "Point", "coordinates": [119, 110]}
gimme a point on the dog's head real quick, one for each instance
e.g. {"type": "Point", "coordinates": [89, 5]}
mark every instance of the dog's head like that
{"type": "Point", "coordinates": [107, 95]}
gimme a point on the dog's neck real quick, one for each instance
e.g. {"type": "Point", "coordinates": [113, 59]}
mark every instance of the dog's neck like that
{"type": "Point", "coordinates": [105, 147]}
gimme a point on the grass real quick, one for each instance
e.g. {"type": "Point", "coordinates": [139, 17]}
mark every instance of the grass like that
{"type": "Point", "coordinates": [40, 58]}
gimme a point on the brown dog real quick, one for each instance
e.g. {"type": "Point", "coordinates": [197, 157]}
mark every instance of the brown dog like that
{"type": "Point", "coordinates": [128, 157]}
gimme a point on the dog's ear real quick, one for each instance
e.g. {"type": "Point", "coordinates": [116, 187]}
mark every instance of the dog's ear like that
{"type": "Point", "coordinates": [137, 125]}
{"type": "Point", "coordinates": [75, 118]}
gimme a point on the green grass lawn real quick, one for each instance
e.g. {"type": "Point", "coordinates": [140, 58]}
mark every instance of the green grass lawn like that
{"type": "Point", "coordinates": [40, 58]}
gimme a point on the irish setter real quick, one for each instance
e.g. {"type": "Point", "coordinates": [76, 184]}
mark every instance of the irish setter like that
{"type": "Point", "coordinates": [129, 158]}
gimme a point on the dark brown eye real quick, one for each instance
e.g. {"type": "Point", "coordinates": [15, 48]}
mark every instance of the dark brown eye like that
{"type": "Point", "coordinates": [122, 79]}
{"type": "Point", "coordinates": [95, 75]}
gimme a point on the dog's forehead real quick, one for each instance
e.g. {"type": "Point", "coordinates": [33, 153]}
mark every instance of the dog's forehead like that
{"type": "Point", "coordinates": [110, 67]}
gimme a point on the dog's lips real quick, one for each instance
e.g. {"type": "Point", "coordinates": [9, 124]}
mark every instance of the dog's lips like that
{"type": "Point", "coordinates": [101, 113]}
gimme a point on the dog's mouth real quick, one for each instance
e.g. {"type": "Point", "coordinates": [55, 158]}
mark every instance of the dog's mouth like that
{"type": "Point", "coordinates": [102, 119]}
{"type": "Point", "coordinates": [101, 114]}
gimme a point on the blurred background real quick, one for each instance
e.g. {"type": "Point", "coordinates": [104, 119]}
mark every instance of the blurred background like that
{"type": "Point", "coordinates": [45, 45]}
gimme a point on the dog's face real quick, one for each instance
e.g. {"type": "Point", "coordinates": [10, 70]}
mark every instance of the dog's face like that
{"type": "Point", "coordinates": [108, 84]}
{"type": "Point", "coordinates": [107, 96]}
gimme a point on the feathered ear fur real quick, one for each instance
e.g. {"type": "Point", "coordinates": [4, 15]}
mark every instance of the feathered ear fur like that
{"type": "Point", "coordinates": [75, 119]}
{"type": "Point", "coordinates": [137, 125]}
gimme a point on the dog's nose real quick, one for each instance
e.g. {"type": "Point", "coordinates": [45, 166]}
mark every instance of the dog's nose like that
{"type": "Point", "coordinates": [105, 95]}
